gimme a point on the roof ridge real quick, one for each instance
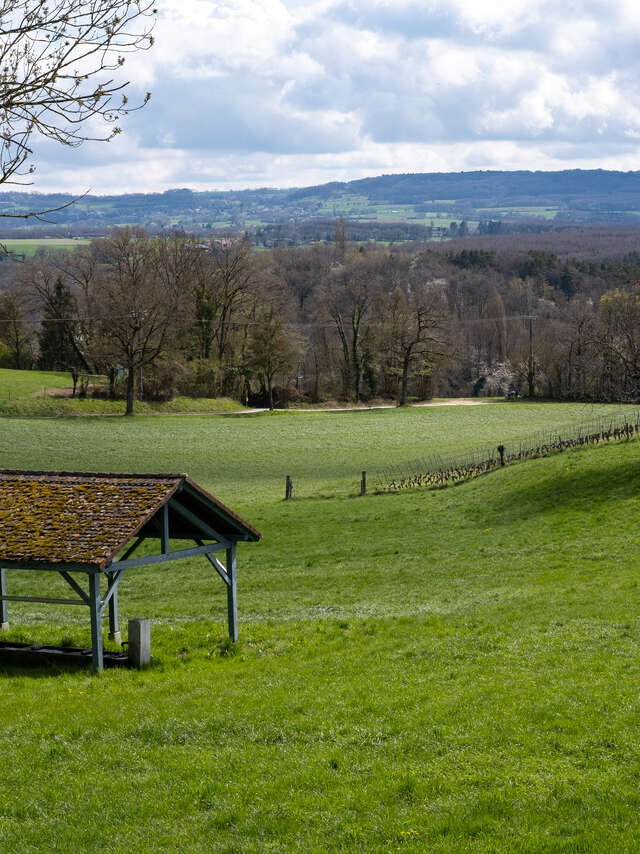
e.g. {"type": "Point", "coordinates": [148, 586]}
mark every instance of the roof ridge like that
{"type": "Point", "coordinates": [102, 474]}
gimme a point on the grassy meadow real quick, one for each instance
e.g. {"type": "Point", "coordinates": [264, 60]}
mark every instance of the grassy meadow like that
{"type": "Point", "coordinates": [442, 671]}
{"type": "Point", "coordinates": [44, 394]}
{"type": "Point", "coordinates": [19, 385]}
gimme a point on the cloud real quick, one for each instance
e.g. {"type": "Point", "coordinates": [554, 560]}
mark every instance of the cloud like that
{"type": "Point", "coordinates": [286, 92]}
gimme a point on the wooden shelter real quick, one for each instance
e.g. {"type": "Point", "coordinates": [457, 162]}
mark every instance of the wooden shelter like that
{"type": "Point", "coordinates": [89, 524]}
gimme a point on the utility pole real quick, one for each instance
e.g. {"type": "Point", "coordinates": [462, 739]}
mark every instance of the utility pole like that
{"type": "Point", "coordinates": [531, 368]}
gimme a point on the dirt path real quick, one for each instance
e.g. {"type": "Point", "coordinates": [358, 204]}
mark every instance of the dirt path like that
{"type": "Point", "coordinates": [454, 401]}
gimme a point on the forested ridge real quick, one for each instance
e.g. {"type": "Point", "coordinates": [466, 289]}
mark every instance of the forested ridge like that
{"type": "Point", "coordinates": [515, 200]}
{"type": "Point", "coordinates": [484, 316]}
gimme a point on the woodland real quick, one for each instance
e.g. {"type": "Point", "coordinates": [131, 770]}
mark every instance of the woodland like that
{"type": "Point", "coordinates": [543, 316]}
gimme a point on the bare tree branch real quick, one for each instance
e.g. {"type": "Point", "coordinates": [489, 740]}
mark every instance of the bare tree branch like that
{"type": "Point", "coordinates": [56, 73]}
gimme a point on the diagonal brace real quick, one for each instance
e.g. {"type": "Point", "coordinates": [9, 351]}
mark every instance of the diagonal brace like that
{"type": "Point", "coordinates": [183, 511]}
{"type": "Point", "coordinates": [215, 563]}
{"type": "Point", "coordinates": [112, 589]}
{"type": "Point", "coordinates": [132, 548]}
{"type": "Point", "coordinates": [222, 572]}
{"type": "Point", "coordinates": [75, 586]}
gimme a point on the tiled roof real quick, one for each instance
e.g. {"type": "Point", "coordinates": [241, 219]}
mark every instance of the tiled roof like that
{"type": "Point", "coordinates": [83, 519]}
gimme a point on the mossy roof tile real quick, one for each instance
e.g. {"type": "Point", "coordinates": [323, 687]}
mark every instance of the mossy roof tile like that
{"type": "Point", "coordinates": [68, 518]}
{"type": "Point", "coordinates": [85, 518]}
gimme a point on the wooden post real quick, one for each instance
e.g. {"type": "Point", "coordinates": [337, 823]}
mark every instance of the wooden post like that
{"type": "Point", "coordinates": [96, 622]}
{"type": "Point", "coordinates": [164, 539]}
{"type": "Point", "coordinates": [363, 483]}
{"type": "Point", "coordinates": [501, 452]}
{"type": "Point", "coordinates": [288, 489]}
{"type": "Point", "coordinates": [114, 625]}
{"type": "Point", "coordinates": [4, 616]}
{"type": "Point", "coordinates": [139, 646]}
{"type": "Point", "coordinates": [232, 594]}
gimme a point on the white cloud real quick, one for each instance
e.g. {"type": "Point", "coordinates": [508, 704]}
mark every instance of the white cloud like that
{"type": "Point", "coordinates": [286, 92]}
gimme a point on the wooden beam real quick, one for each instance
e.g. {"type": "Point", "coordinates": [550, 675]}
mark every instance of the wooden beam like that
{"type": "Point", "coordinates": [112, 588]}
{"type": "Point", "coordinates": [132, 548]}
{"type": "Point", "coordinates": [4, 617]}
{"type": "Point", "coordinates": [241, 533]}
{"type": "Point", "coordinates": [96, 622]}
{"type": "Point", "coordinates": [181, 510]}
{"type": "Point", "coordinates": [111, 599]}
{"type": "Point", "coordinates": [45, 599]}
{"type": "Point", "coordinates": [179, 554]}
{"type": "Point", "coordinates": [219, 568]}
{"type": "Point", "coordinates": [164, 536]}
{"type": "Point", "coordinates": [215, 563]}
{"type": "Point", "coordinates": [232, 594]}
{"type": "Point", "coordinates": [75, 586]}
{"type": "Point", "coordinates": [50, 567]}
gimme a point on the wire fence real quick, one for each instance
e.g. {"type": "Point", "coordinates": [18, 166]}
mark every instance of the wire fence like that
{"type": "Point", "coordinates": [436, 471]}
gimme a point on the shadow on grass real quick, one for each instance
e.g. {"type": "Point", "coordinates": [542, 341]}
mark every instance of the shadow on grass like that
{"type": "Point", "coordinates": [573, 481]}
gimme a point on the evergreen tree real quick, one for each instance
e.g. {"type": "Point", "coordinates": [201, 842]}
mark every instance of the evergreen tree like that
{"type": "Point", "coordinates": [57, 352]}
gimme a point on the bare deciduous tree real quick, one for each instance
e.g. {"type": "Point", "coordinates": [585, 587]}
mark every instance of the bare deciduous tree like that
{"type": "Point", "coordinates": [347, 301]}
{"type": "Point", "coordinates": [414, 325]}
{"type": "Point", "coordinates": [139, 311]}
{"type": "Point", "coordinates": [274, 345]}
{"type": "Point", "coordinates": [59, 69]}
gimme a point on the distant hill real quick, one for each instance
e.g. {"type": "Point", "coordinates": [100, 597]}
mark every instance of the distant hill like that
{"type": "Point", "coordinates": [425, 201]}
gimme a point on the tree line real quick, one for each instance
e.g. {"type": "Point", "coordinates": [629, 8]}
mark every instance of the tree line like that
{"type": "Point", "coordinates": [161, 316]}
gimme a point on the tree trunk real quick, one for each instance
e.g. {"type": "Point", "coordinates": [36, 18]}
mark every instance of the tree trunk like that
{"type": "Point", "coordinates": [405, 380]}
{"type": "Point", "coordinates": [112, 383]}
{"type": "Point", "coordinates": [316, 381]}
{"type": "Point", "coordinates": [531, 375]}
{"type": "Point", "coordinates": [130, 390]}
{"type": "Point", "coordinates": [270, 387]}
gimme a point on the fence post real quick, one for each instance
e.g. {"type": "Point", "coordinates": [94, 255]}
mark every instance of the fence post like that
{"type": "Point", "coordinates": [363, 483]}
{"type": "Point", "coordinates": [501, 452]}
{"type": "Point", "coordinates": [288, 490]}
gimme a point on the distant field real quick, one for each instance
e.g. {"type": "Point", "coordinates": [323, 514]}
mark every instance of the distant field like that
{"type": "Point", "coordinates": [37, 393]}
{"type": "Point", "coordinates": [266, 448]}
{"type": "Point", "coordinates": [544, 212]}
{"type": "Point", "coordinates": [446, 671]}
{"type": "Point", "coordinates": [18, 385]}
{"type": "Point", "coordinates": [29, 246]}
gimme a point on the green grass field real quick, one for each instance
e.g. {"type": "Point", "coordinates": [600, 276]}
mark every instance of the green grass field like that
{"type": "Point", "coordinates": [18, 385]}
{"type": "Point", "coordinates": [37, 393]}
{"type": "Point", "coordinates": [442, 671]}
{"type": "Point", "coordinates": [29, 245]}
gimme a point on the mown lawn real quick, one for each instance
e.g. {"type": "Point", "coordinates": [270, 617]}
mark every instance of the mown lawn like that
{"type": "Point", "coordinates": [439, 671]}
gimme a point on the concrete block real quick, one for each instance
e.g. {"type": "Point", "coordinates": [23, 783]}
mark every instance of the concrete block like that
{"type": "Point", "coordinates": [139, 647]}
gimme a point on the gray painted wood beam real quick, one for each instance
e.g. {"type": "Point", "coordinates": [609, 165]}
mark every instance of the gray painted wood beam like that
{"type": "Point", "coordinates": [133, 547]}
{"type": "Point", "coordinates": [232, 594]}
{"type": "Point", "coordinates": [219, 568]}
{"type": "Point", "coordinates": [111, 600]}
{"type": "Point", "coordinates": [75, 586]}
{"type": "Point", "coordinates": [4, 614]}
{"type": "Point", "coordinates": [183, 511]}
{"type": "Point", "coordinates": [164, 536]}
{"type": "Point", "coordinates": [44, 599]}
{"type": "Point", "coordinates": [176, 555]}
{"type": "Point", "coordinates": [96, 622]}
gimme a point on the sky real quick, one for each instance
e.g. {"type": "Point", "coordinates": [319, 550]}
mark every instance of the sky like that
{"type": "Point", "coordinates": [283, 93]}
